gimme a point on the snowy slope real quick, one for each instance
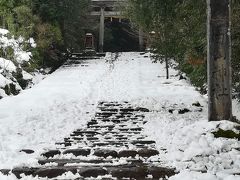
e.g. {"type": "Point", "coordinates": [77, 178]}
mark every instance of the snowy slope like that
{"type": "Point", "coordinates": [51, 110]}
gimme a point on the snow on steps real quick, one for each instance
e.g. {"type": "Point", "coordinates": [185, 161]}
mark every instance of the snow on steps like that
{"type": "Point", "coordinates": [112, 145]}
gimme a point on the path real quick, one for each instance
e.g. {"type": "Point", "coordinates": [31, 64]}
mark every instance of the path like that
{"type": "Point", "coordinates": [74, 101]}
{"type": "Point", "coordinates": [116, 130]}
{"type": "Point", "coordinates": [112, 146]}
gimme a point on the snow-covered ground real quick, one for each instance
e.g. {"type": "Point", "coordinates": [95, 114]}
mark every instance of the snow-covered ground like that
{"type": "Point", "coordinates": [66, 100]}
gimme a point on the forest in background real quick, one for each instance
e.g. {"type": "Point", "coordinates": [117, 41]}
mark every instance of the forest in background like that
{"type": "Point", "coordinates": [177, 29]}
{"type": "Point", "coordinates": [55, 25]}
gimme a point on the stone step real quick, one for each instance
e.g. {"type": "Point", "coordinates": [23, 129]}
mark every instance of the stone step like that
{"type": "Point", "coordinates": [62, 162]}
{"type": "Point", "coordinates": [78, 152]}
{"type": "Point", "coordinates": [143, 142]}
{"type": "Point", "coordinates": [120, 172]}
{"type": "Point", "coordinates": [113, 145]}
{"type": "Point", "coordinates": [51, 153]}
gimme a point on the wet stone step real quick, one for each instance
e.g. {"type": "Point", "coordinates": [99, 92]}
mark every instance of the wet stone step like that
{"type": "Point", "coordinates": [130, 129]}
{"type": "Point", "coordinates": [131, 133]}
{"type": "Point", "coordinates": [129, 172]}
{"type": "Point", "coordinates": [109, 110]}
{"type": "Point", "coordinates": [92, 138]}
{"type": "Point", "coordinates": [142, 146]}
{"type": "Point", "coordinates": [127, 110]}
{"type": "Point", "coordinates": [148, 152]}
{"type": "Point", "coordinates": [135, 162]}
{"type": "Point", "coordinates": [23, 170]}
{"type": "Point", "coordinates": [143, 142]}
{"type": "Point", "coordinates": [161, 172]}
{"type": "Point", "coordinates": [92, 123]}
{"type": "Point", "coordinates": [116, 121]}
{"type": "Point", "coordinates": [127, 153]}
{"type": "Point", "coordinates": [95, 126]}
{"type": "Point", "coordinates": [140, 116]}
{"type": "Point", "coordinates": [78, 152]}
{"type": "Point", "coordinates": [140, 109]}
{"type": "Point", "coordinates": [53, 172]}
{"type": "Point", "coordinates": [105, 153]}
{"type": "Point", "coordinates": [77, 138]}
{"type": "Point", "coordinates": [51, 153]}
{"type": "Point", "coordinates": [66, 144]}
{"type": "Point", "coordinates": [108, 114]}
{"type": "Point", "coordinates": [122, 138]}
{"type": "Point", "coordinates": [126, 114]}
{"type": "Point", "coordinates": [92, 172]}
{"type": "Point", "coordinates": [110, 104]}
{"type": "Point", "coordinates": [109, 144]}
{"type": "Point", "coordinates": [106, 120]}
{"type": "Point", "coordinates": [87, 133]}
{"type": "Point", "coordinates": [62, 162]}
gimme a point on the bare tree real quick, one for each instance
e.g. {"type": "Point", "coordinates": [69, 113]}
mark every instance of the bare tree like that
{"type": "Point", "coordinates": [219, 60]}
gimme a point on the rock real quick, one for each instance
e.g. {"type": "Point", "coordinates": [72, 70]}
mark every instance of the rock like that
{"type": "Point", "coordinates": [27, 151]}
{"type": "Point", "coordinates": [127, 153]}
{"type": "Point", "coordinates": [92, 172]}
{"type": "Point", "coordinates": [5, 171]}
{"type": "Point", "coordinates": [78, 152]}
{"type": "Point", "coordinates": [51, 153]}
{"type": "Point", "coordinates": [181, 77]}
{"type": "Point", "coordinates": [183, 111]}
{"type": "Point", "coordinates": [197, 104]}
{"type": "Point", "coordinates": [105, 153]}
{"type": "Point", "coordinates": [148, 152]}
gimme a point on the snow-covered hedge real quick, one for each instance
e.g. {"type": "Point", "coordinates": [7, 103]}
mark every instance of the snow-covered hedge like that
{"type": "Point", "coordinates": [14, 58]}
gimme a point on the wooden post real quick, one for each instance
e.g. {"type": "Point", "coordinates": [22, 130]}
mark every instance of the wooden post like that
{"type": "Point", "coordinates": [101, 30]}
{"type": "Point", "coordinates": [141, 40]}
{"type": "Point", "coordinates": [219, 61]}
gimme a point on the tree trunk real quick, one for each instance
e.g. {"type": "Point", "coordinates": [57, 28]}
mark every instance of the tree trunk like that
{"type": "Point", "coordinates": [167, 68]}
{"type": "Point", "coordinates": [101, 30]}
{"type": "Point", "coordinates": [219, 61]}
{"type": "Point", "coordinates": [141, 40]}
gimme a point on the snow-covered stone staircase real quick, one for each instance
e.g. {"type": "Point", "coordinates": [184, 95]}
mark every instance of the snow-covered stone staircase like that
{"type": "Point", "coordinates": [112, 146]}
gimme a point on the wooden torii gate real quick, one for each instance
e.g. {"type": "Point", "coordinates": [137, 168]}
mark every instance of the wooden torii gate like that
{"type": "Point", "coordinates": [109, 9]}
